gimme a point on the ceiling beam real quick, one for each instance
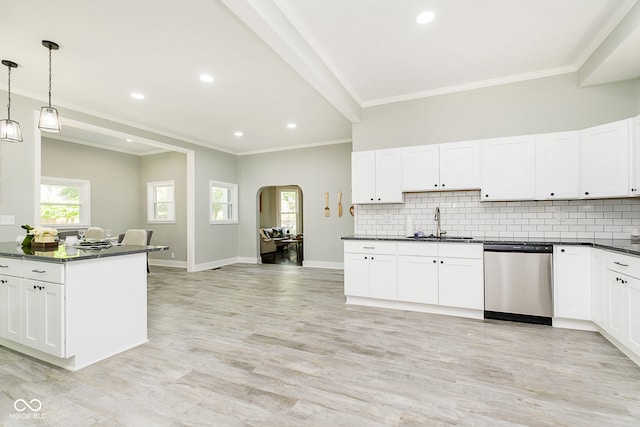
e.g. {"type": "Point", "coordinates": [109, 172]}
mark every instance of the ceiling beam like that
{"type": "Point", "coordinates": [268, 21]}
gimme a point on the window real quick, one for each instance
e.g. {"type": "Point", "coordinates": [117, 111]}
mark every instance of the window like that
{"type": "Point", "coordinates": [65, 201]}
{"type": "Point", "coordinates": [289, 210]}
{"type": "Point", "coordinates": [223, 204]}
{"type": "Point", "coordinates": [161, 206]}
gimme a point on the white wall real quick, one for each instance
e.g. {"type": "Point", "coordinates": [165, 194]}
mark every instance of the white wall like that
{"type": "Point", "coordinates": [114, 201]}
{"type": "Point", "coordinates": [530, 107]}
{"type": "Point", "coordinates": [166, 167]}
{"type": "Point", "coordinates": [315, 170]}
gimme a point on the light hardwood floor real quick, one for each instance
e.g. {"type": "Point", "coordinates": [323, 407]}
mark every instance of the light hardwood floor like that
{"type": "Point", "coordinates": [275, 345]}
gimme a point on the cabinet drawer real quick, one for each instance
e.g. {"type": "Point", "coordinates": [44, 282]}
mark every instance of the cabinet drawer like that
{"type": "Point", "coordinates": [460, 250]}
{"type": "Point", "coordinates": [10, 267]}
{"type": "Point", "coordinates": [623, 264]}
{"type": "Point", "coordinates": [45, 271]}
{"type": "Point", "coordinates": [418, 249]}
{"type": "Point", "coordinates": [370, 247]}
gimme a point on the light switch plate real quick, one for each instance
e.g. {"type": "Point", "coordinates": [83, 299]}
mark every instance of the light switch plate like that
{"type": "Point", "coordinates": [7, 220]}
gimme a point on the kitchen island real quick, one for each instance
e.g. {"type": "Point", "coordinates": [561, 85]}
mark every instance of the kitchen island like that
{"type": "Point", "coordinates": [73, 306]}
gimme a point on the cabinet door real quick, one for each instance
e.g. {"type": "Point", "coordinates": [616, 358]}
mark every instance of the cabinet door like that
{"type": "Point", "coordinates": [10, 308]}
{"type": "Point", "coordinates": [598, 287]}
{"type": "Point", "coordinates": [633, 308]}
{"type": "Point", "coordinates": [43, 316]}
{"type": "Point", "coordinates": [604, 160]}
{"type": "Point", "coordinates": [508, 169]}
{"type": "Point", "coordinates": [363, 176]}
{"type": "Point", "coordinates": [635, 156]}
{"type": "Point", "coordinates": [418, 279]}
{"type": "Point", "coordinates": [460, 165]}
{"type": "Point", "coordinates": [383, 282]}
{"type": "Point", "coordinates": [572, 284]}
{"type": "Point", "coordinates": [617, 299]}
{"type": "Point", "coordinates": [420, 168]}
{"type": "Point", "coordinates": [356, 274]}
{"type": "Point", "coordinates": [558, 166]}
{"type": "Point", "coordinates": [461, 283]}
{"type": "Point", "coordinates": [388, 176]}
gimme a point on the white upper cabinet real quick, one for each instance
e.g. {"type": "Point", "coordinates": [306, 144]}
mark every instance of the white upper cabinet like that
{"type": "Point", "coordinates": [453, 166]}
{"type": "Point", "coordinates": [635, 157]}
{"type": "Point", "coordinates": [460, 165]}
{"type": "Point", "coordinates": [376, 176]}
{"type": "Point", "coordinates": [508, 168]}
{"type": "Point", "coordinates": [604, 160]}
{"type": "Point", "coordinates": [558, 166]}
{"type": "Point", "coordinates": [421, 168]}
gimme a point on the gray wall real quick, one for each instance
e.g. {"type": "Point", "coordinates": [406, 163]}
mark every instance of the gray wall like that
{"type": "Point", "coordinates": [115, 203]}
{"type": "Point", "coordinates": [167, 167]}
{"type": "Point", "coordinates": [536, 106]}
{"type": "Point", "coordinates": [268, 214]}
{"type": "Point", "coordinates": [315, 170]}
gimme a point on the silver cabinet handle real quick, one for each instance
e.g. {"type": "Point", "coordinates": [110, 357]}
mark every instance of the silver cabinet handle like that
{"type": "Point", "coordinates": [621, 264]}
{"type": "Point", "coordinates": [39, 271]}
{"type": "Point", "coordinates": [4, 266]}
{"type": "Point", "coordinates": [368, 247]}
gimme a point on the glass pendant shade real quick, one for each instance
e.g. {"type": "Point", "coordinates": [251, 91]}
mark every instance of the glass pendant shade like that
{"type": "Point", "coordinates": [10, 131]}
{"type": "Point", "coordinates": [49, 120]}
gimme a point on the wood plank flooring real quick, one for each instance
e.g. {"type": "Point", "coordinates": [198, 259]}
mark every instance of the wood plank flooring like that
{"type": "Point", "coordinates": [274, 345]}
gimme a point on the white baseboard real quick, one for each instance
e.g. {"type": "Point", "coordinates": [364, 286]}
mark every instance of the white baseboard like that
{"type": "Point", "coordinates": [222, 262]}
{"type": "Point", "coordinates": [168, 263]}
{"type": "Point", "coordinates": [423, 308]}
{"type": "Point", "coordinates": [323, 264]}
{"type": "Point", "coordinates": [582, 325]}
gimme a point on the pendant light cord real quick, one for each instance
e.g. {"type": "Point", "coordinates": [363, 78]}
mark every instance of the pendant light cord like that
{"type": "Point", "coordinates": [9, 104]}
{"type": "Point", "coordinates": [49, 77]}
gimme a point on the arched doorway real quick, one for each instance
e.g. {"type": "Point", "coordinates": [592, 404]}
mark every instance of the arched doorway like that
{"type": "Point", "coordinates": [281, 225]}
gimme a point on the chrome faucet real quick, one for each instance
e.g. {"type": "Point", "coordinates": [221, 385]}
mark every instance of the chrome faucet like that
{"type": "Point", "coordinates": [436, 218]}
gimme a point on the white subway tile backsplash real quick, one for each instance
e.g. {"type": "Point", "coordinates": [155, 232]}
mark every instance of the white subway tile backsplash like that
{"type": "Point", "coordinates": [463, 213]}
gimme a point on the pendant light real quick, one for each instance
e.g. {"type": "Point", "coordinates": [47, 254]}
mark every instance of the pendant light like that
{"type": "Point", "coordinates": [10, 130]}
{"type": "Point", "coordinates": [49, 121]}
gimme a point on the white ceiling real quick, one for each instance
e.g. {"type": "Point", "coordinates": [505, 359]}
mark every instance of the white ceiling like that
{"type": "Point", "coordinates": [316, 62]}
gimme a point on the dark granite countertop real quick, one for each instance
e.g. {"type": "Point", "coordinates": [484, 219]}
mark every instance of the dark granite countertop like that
{"type": "Point", "coordinates": [619, 245]}
{"type": "Point", "coordinates": [67, 254]}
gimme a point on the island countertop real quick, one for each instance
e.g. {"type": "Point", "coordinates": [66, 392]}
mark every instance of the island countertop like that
{"type": "Point", "coordinates": [618, 245]}
{"type": "Point", "coordinates": [73, 253]}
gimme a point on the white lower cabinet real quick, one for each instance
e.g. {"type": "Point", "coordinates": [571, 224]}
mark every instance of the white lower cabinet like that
{"type": "Point", "coordinates": [43, 316]}
{"type": "Point", "coordinates": [10, 308]}
{"type": "Point", "coordinates": [598, 287]}
{"type": "Point", "coordinates": [443, 274]}
{"type": "Point", "coordinates": [633, 308]}
{"type": "Point", "coordinates": [461, 283]}
{"type": "Point", "coordinates": [572, 282]}
{"type": "Point", "coordinates": [617, 314]}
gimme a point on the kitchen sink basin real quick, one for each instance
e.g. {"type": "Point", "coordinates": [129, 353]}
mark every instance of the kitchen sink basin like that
{"type": "Point", "coordinates": [432, 237]}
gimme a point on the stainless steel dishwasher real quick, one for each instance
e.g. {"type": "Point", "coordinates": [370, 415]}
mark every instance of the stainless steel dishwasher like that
{"type": "Point", "coordinates": [518, 283]}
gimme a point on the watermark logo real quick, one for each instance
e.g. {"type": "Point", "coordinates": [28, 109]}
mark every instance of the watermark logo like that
{"type": "Point", "coordinates": [28, 409]}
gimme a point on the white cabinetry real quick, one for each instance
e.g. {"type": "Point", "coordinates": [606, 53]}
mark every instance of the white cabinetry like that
{"type": "Point", "coordinates": [370, 269]}
{"type": "Point", "coordinates": [572, 282]}
{"type": "Point", "coordinates": [635, 156]}
{"type": "Point", "coordinates": [598, 287]}
{"type": "Point", "coordinates": [508, 169]}
{"type": "Point", "coordinates": [376, 176]}
{"type": "Point", "coordinates": [10, 326]}
{"type": "Point", "coordinates": [418, 272]}
{"type": "Point", "coordinates": [622, 312]}
{"type": "Point", "coordinates": [604, 160]}
{"type": "Point", "coordinates": [453, 166]}
{"type": "Point", "coordinates": [558, 166]}
{"type": "Point", "coordinates": [43, 316]}
{"type": "Point", "coordinates": [461, 280]}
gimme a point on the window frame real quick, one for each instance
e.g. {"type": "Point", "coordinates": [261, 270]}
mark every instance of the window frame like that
{"type": "Point", "coordinates": [151, 202]}
{"type": "Point", "coordinates": [233, 188]}
{"type": "Point", "coordinates": [84, 219]}
{"type": "Point", "coordinates": [279, 212]}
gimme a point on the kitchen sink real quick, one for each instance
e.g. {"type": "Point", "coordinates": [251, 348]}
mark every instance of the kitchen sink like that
{"type": "Point", "coordinates": [432, 237]}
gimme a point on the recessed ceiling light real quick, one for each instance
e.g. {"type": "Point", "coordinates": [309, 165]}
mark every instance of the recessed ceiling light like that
{"type": "Point", "coordinates": [238, 133]}
{"type": "Point", "coordinates": [425, 17]}
{"type": "Point", "coordinates": [129, 140]}
{"type": "Point", "coordinates": [137, 95]}
{"type": "Point", "coordinates": [207, 78]}
{"type": "Point", "coordinates": [291, 125]}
